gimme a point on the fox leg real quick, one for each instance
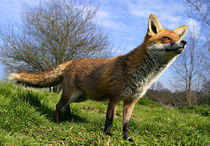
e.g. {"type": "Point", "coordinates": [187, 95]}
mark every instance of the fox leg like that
{"type": "Point", "coordinates": [67, 108]}
{"type": "Point", "coordinates": [127, 112]}
{"type": "Point", "coordinates": [64, 101]}
{"type": "Point", "coordinates": [112, 107]}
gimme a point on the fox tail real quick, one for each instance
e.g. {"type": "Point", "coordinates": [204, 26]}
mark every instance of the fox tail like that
{"type": "Point", "coordinates": [52, 76]}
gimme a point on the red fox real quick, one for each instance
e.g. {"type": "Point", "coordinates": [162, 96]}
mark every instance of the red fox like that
{"type": "Point", "coordinates": [123, 78]}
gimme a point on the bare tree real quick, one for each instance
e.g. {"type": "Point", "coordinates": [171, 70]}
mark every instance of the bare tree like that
{"type": "Point", "coordinates": [53, 32]}
{"type": "Point", "coordinates": [191, 67]}
{"type": "Point", "coordinates": [205, 93]}
{"type": "Point", "coordinates": [199, 9]}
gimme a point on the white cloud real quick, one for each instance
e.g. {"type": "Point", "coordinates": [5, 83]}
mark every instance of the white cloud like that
{"type": "Point", "coordinates": [193, 24]}
{"type": "Point", "coordinates": [170, 13]}
{"type": "Point", "coordinates": [194, 28]}
{"type": "Point", "coordinates": [105, 20]}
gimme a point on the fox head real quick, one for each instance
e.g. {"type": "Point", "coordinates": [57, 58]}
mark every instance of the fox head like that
{"type": "Point", "coordinates": [163, 41]}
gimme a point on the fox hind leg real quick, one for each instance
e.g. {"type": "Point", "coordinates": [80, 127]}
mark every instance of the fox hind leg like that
{"type": "Point", "coordinates": [63, 101]}
{"type": "Point", "coordinates": [67, 108]}
{"type": "Point", "coordinates": [66, 98]}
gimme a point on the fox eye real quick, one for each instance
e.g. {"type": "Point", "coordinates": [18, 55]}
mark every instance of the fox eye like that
{"type": "Point", "coordinates": [166, 38]}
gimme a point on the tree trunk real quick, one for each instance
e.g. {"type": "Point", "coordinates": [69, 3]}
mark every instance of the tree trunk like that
{"type": "Point", "coordinates": [189, 94]}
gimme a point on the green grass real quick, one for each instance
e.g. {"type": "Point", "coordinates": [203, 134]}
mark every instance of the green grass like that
{"type": "Point", "coordinates": [203, 110]}
{"type": "Point", "coordinates": [28, 117]}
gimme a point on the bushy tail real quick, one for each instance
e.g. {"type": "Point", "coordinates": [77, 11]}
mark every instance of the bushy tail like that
{"type": "Point", "coordinates": [48, 78]}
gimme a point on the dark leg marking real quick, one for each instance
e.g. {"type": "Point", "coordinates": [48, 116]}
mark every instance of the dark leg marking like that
{"type": "Point", "coordinates": [67, 108]}
{"type": "Point", "coordinates": [126, 132]}
{"type": "Point", "coordinates": [127, 112]}
{"type": "Point", "coordinates": [112, 107]}
{"type": "Point", "coordinates": [108, 126]}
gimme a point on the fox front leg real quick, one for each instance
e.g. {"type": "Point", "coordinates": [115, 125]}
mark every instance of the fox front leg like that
{"type": "Point", "coordinates": [127, 112]}
{"type": "Point", "coordinates": [112, 107]}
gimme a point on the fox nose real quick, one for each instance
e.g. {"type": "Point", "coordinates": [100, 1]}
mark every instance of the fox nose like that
{"type": "Point", "coordinates": [184, 42]}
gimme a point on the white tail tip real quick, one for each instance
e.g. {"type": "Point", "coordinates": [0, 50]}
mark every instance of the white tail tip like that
{"type": "Point", "coordinates": [12, 77]}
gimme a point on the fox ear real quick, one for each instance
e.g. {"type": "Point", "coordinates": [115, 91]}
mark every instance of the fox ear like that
{"type": "Point", "coordinates": [154, 25]}
{"type": "Point", "coordinates": [181, 31]}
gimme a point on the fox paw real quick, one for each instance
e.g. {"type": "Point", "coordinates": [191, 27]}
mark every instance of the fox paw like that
{"type": "Point", "coordinates": [128, 138]}
{"type": "Point", "coordinates": [108, 133]}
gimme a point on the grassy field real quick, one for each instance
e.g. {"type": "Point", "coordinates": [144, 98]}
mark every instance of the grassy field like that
{"type": "Point", "coordinates": [28, 117]}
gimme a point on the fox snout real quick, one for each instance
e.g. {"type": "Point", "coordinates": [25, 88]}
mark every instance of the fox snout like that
{"type": "Point", "coordinates": [183, 45]}
{"type": "Point", "coordinates": [177, 47]}
{"type": "Point", "coordinates": [183, 42]}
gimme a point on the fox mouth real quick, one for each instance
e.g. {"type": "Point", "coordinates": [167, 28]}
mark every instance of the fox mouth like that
{"type": "Point", "coordinates": [177, 50]}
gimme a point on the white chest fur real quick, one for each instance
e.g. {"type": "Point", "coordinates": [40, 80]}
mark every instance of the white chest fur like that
{"type": "Point", "coordinates": [144, 76]}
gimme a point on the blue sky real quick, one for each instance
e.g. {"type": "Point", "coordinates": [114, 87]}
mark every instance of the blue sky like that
{"type": "Point", "coordinates": [124, 20]}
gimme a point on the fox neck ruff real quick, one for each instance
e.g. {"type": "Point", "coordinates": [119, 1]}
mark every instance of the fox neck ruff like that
{"type": "Point", "coordinates": [143, 76]}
